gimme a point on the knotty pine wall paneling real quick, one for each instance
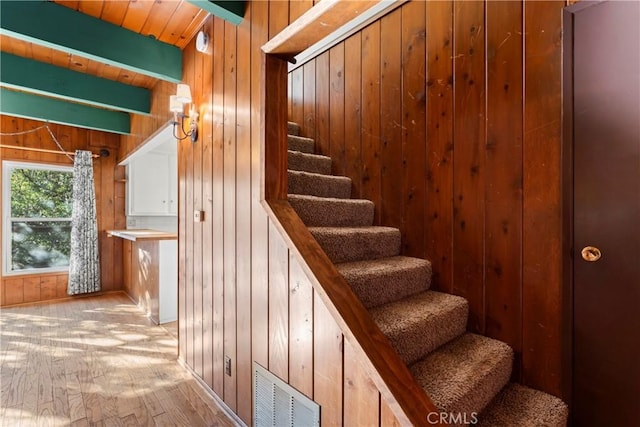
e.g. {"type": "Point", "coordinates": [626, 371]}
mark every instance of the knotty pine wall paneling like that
{"type": "Point", "coordinates": [242, 293]}
{"type": "Point", "coordinates": [469, 118]}
{"type": "Point", "coordinates": [361, 397]}
{"type": "Point", "coordinates": [296, 88]}
{"type": "Point", "coordinates": [206, 135]}
{"type": "Point", "coordinates": [352, 107]}
{"type": "Point", "coordinates": [244, 362]}
{"type": "Point", "coordinates": [370, 141]}
{"type": "Point", "coordinates": [182, 254]}
{"type": "Point", "coordinates": [278, 305]}
{"type": "Point", "coordinates": [328, 344]}
{"type": "Point", "coordinates": [322, 139]}
{"type": "Point", "coordinates": [542, 195]}
{"type": "Point", "coordinates": [308, 100]}
{"type": "Point", "coordinates": [300, 328]}
{"type": "Point", "coordinates": [439, 156]}
{"type": "Point", "coordinates": [503, 175]}
{"type": "Point", "coordinates": [336, 109]}
{"type": "Point", "coordinates": [414, 105]}
{"type": "Point", "coordinates": [217, 218]}
{"type": "Point", "coordinates": [110, 200]}
{"type": "Point", "coordinates": [188, 242]}
{"type": "Point", "coordinates": [259, 221]}
{"type": "Point", "coordinates": [230, 208]}
{"type": "Point", "coordinates": [198, 227]}
{"type": "Point", "coordinates": [458, 145]}
{"type": "Point", "coordinates": [391, 120]}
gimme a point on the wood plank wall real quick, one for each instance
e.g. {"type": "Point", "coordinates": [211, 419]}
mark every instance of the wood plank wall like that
{"type": "Point", "coordinates": [448, 116]}
{"type": "Point", "coordinates": [110, 200]}
{"type": "Point", "coordinates": [242, 293]}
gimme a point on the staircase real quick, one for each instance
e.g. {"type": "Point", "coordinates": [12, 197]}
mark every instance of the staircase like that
{"type": "Point", "coordinates": [463, 373]}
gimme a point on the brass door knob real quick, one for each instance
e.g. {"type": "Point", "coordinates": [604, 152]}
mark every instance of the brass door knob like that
{"type": "Point", "coordinates": [591, 253]}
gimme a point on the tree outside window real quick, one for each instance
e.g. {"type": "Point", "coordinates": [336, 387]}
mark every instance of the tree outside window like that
{"type": "Point", "coordinates": [38, 213]}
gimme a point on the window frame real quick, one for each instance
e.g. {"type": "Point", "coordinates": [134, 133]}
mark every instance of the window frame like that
{"type": "Point", "coordinates": [7, 167]}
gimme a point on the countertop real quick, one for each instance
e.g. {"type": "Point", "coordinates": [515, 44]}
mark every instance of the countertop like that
{"type": "Point", "coordinates": [142, 234]}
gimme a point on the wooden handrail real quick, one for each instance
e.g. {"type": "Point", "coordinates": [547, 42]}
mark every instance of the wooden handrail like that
{"type": "Point", "coordinates": [318, 22]}
{"type": "Point", "coordinates": [408, 401]}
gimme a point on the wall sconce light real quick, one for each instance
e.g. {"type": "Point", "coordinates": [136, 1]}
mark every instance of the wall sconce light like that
{"type": "Point", "coordinates": [176, 106]}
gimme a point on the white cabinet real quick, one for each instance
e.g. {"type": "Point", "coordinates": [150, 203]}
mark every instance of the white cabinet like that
{"type": "Point", "coordinates": [173, 184]}
{"type": "Point", "coordinates": [152, 185]}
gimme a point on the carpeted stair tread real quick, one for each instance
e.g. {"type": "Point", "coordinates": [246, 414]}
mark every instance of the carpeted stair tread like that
{"type": "Point", "coordinates": [419, 324]}
{"type": "Point", "coordinates": [330, 212]}
{"type": "Point", "coordinates": [293, 128]}
{"type": "Point", "coordinates": [300, 143]}
{"type": "Point", "coordinates": [305, 162]}
{"type": "Point", "coordinates": [385, 280]}
{"type": "Point", "coordinates": [314, 184]}
{"type": "Point", "coordinates": [344, 244]}
{"type": "Point", "coordinates": [464, 375]}
{"type": "Point", "coordinates": [521, 406]}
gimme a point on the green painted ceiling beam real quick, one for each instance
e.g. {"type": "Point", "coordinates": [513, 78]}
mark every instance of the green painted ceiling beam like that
{"type": "Point", "coordinates": [67, 30]}
{"type": "Point", "coordinates": [28, 106]}
{"type": "Point", "coordinates": [45, 79]}
{"type": "Point", "coordinates": [232, 11]}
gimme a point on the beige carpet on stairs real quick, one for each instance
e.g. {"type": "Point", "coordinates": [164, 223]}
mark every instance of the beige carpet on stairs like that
{"type": "Point", "coordinates": [466, 375]}
{"type": "Point", "coordinates": [369, 279]}
{"type": "Point", "coordinates": [405, 321]}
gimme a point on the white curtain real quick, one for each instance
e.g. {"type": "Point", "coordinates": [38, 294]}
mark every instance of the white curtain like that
{"type": "Point", "coordinates": [84, 262]}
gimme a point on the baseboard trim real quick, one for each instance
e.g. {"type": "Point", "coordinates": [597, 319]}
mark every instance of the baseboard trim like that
{"type": "Point", "coordinates": [205, 387]}
{"type": "Point", "coordinates": [64, 299]}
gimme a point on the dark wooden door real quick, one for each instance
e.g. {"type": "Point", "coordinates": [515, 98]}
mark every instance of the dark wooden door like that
{"type": "Point", "coordinates": [605, 56]}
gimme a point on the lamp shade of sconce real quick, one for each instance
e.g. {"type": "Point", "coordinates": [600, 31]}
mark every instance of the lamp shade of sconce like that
{"type": "Point", "coordinates": [175, 106]}
{"type": "Point", "coordinates": [183, 93]}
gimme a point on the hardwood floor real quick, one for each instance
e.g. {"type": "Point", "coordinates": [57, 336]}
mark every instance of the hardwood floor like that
{"type": "Point", "coordinates": [95, 361]}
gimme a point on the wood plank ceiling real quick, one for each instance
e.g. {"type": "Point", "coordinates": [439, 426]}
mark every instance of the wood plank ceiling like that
{"type": "Point", "coordinates": [170, 22]}
{"type": "Point", "coordinates": [173, 22]}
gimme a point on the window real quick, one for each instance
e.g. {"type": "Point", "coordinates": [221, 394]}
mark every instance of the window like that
{"type": "Point", "coordinates": [37, 202]}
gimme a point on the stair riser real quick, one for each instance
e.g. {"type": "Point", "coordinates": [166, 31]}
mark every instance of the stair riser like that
{"type": "Point", "coordinates": [482, 395]}
{"type": "Point", "coordinates": [333, 213]}
{"type": "Point", "coordinates": [309, 163]}
{"type": "Point", "coordinates": [517, 405]}
{"type": "Point", "coordinates": [358, 246]}
{"type": "Point", "coordinates": [298, 143]}
{"type": "Point", "coordinates": [318, 185]}
{"type": "Point", "coordinates": [385, 287]}
{"type": "Point", "coordinates": [430, 333]}
{"type": "Point", "coordinates": [293, 128]}
{"type": "Point", "coordinates": [465, 374]}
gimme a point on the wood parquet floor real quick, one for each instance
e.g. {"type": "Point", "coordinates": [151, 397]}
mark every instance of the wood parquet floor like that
{"type": "Point", "coordinates": [95, 361]}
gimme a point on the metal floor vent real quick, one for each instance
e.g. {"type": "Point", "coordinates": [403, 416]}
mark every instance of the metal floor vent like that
{"type": "Point", "coordinates": [277, 404]}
